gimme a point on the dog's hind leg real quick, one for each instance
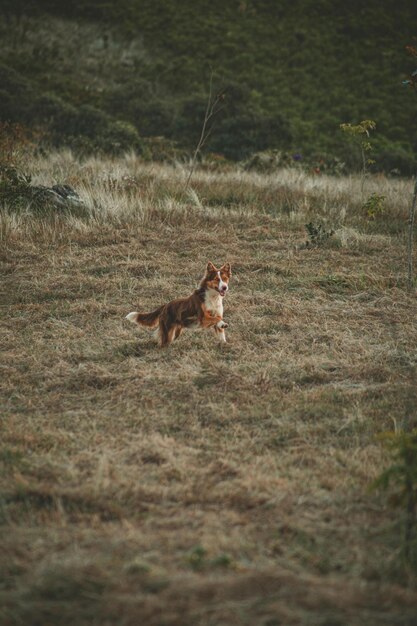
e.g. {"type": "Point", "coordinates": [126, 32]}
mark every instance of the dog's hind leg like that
{"type": "Point", "coordinates": [163, 333]}
{"type": "Point", "coordinates": [178, 331]}
{"type": "Point", "coordinates": [166, 333]}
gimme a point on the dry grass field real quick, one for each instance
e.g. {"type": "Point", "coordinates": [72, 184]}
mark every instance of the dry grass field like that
{"type": "Point", "coordinates": [203, 484]}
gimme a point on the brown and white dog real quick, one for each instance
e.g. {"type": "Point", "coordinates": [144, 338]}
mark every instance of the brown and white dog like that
{"type": "Point", "coordinates": [204, 308]}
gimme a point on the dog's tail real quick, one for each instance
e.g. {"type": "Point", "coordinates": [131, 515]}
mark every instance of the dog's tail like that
{"type": "Point", "coordinates": [150, 320]}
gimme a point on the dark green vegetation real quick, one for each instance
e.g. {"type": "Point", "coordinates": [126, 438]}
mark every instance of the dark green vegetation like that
{"type": "Point", "coordinates": [104, 75]}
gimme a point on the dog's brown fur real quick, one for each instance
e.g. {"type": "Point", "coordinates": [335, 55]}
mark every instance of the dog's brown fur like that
{"type": "Point", "coordinates": [202, 308]}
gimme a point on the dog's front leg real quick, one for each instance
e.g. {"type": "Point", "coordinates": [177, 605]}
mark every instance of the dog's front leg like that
{"type": "Point", "coordinates": [219, 328]}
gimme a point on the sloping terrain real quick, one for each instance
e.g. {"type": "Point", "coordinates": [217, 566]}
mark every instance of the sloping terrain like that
{"type": "Point", "coordinates": [101, 75]}
{"type": "Point", "coordinates": [201, 484]}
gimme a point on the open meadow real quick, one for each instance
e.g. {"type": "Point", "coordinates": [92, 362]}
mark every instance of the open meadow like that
{"type": "Point", "coordinates": [204, 484]}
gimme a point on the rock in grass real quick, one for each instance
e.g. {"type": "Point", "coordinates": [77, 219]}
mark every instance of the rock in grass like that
{"type": "Point", "coordinates": [57, 196]}
{"type": "Point", "coordinates": [60, 196]}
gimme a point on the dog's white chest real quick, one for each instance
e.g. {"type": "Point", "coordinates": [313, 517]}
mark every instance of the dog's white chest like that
{"type": "Point", "coordinates": [214, 303]}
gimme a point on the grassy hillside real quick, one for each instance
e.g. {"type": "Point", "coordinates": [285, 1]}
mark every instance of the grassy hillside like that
{"type": "Point", "coordinates": [201, 484]}
{"type": "Point", "coordinates": [103, 74]}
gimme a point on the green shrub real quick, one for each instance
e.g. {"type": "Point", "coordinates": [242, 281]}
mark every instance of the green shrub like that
{"type": "Point", "coordinates": [393, 158]}
{"type": "Point", "coordinates": [120, 136]}
{"type": "Point", "coordinates": [399, 480]}
{"type": "Point", "coordinates": [324, 163]}
{"type": "Point", "coordinates": [239, 129]}
{"type": "Point", "coordinates": [15, 187]}
{"type": "Point", "coordinates": [374, 205]}
{"type": "Point", "coordinates": [17, 96]}
{"type": "Point", "coordinates": [241, 134]}
{"type": "Point", "coordinates": [163, 150]}
{"type": "Point", "coordinates": [268, 161]}
{"type": "Point", "coordinates": [17, 144]}
{"type": "Point", "coordinates": [318, 235]}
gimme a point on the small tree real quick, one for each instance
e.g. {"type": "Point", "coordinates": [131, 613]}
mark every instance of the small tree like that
{"type": "Point", "coordinates": [360, 134]}
{"type": "Point", "coordinates": [213, 107]}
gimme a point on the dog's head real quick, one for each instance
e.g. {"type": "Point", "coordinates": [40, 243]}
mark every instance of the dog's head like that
{"type": "Point", "coordinates": [217, 279]}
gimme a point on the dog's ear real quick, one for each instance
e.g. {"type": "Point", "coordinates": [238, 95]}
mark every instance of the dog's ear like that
{"type": "Point", "coordinates": [210, 267]}
{"type": "Point", "coordinates": [226, 268]}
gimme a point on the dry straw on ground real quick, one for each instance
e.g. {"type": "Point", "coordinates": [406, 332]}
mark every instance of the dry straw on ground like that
{"type": "Point", "coordinates": [201, 485]}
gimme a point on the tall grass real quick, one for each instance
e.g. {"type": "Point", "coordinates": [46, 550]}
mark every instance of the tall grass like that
{"type": "Point", "coordinates": [130, 190]}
